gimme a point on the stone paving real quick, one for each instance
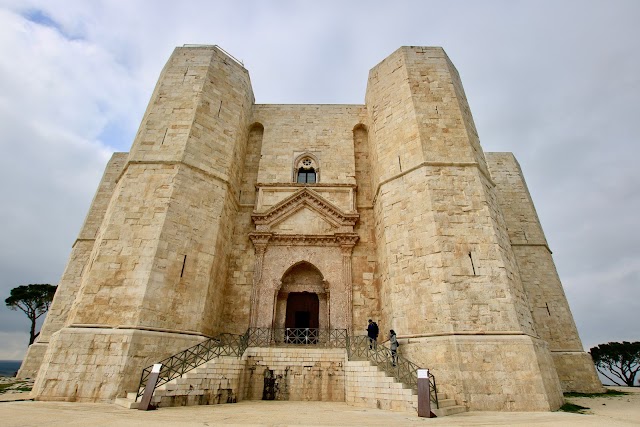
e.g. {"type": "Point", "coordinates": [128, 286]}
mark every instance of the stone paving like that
{"type": "Point", "coordinates": [615, 411]}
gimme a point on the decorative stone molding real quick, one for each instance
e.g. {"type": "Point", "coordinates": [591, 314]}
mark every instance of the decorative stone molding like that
{"type": "Point", "coordinates": [306, 160]}
{"type": "Point", "coordinates": [303, 240]}
{"type": "Point", "coordinates": [330, 252]}
{"type": "Point", "coordinates": [309, 198]}
{"type": "Point", "coordinates": [346, 247]}
{"type": "Point", "coordinates": [260, 242]}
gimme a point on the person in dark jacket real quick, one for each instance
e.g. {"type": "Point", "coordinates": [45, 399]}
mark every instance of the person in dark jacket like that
{"type": "Point", "coordinates": [372, 333]}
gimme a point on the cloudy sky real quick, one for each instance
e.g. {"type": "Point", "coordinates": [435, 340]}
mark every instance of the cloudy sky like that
{"type": "Point", "coordinates": [557, 83]}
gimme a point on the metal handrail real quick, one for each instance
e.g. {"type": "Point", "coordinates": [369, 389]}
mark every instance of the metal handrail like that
{"type": "Point", "coordinates": [403, 370]}
{"type": "Point", "coordinates": [180, 363]}
{"type": "Point", "coordinates": [234, 345]}
{"type": "Point", "coordinates": [268, 337]}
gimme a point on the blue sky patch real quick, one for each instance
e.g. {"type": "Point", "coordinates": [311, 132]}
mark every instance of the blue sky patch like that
{"type": "Point", "coordinates": [41, 18]}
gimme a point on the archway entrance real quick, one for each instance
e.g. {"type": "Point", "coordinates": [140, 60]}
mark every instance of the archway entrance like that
{"type": "Point", "coordinates": [302, 318]}
{"type": "Point", "coordinates": [302, 303]}
{"type": "Point", "coordinates": [303, 311]}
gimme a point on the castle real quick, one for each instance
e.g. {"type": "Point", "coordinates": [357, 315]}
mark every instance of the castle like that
{"type": "Point", "coordinates": [227, 214]}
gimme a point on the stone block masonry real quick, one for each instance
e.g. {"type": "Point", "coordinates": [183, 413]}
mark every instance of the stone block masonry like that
{"type": "Point", "coordinates": [227, 214]}
{"type": "Point", "coordinates": [287, 373]}
{"type": "Point", "coordinates": [549, 306]}
{"type": "Point", "coordinates": [160, 255]}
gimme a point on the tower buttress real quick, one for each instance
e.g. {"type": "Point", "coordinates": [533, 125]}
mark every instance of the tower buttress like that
{"type": "Point", "coordinates": [154, 280]}
{"type": "Point", "coordinates": [549, 306]}
{"type": "Point", "coordinates": [449, 278]}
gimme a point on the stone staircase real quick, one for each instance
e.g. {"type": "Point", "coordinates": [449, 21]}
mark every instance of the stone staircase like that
{"type": "Point", "coordinates": [368, 386]}
{"type": "Point", "coordinates": [214, 382]}
{"type": "Point", "coordinates": [298, 373]}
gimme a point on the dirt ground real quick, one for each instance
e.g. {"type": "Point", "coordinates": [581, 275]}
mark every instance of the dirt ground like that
{"type": "Point", "coordinates": [604, 411]}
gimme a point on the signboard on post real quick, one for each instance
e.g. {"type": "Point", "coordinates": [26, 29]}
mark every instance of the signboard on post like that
{"type": "Point", "coordinates": [145, 403]}
{"type": "Point", "coordinates": [424, 400]}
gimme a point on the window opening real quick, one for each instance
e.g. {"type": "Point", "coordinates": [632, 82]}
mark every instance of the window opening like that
{"type": "Point", "coordinates": [306, 173]}
{"type": "Point", "coordinates": [306, 176]}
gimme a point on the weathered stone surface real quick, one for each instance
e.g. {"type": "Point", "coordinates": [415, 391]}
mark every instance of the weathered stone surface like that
{"type": "Point", "coordinates": [228, 214]}
{"type": "Point", "coordinates": [549, 306]}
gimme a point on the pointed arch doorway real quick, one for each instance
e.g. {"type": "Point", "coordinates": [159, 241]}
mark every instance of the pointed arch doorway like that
{"type": "Point", "coordinates": [302, 302]}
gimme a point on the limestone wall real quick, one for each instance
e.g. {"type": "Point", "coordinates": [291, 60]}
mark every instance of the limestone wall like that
{"type": "Point", "coordinates": [72, 275]}
{"type": "Point", "coordinates": [550, 309]}
{"type": "Point", "coordinates": [280, 134]}
{"type": "Point", "coordinates": [160, 258]}
{"type": "Point", "coordinates": [438, 224]}
{"type": "Point", "coordinates": [240, 275]}
{"type": "Point", "coordinates": [250, 166]}
{"type": "Point", "coordinates": [217, 381]}
{"type": "Point", "coordinates": [99, 364]}
{"type": "Point", "coordinates": [451, 257]}
{"type": "Point", "coordinates": [323, 130]}
{"type": "Point", "coordinates": [508, 372]}
{"type": "Point", "coordinates": [366, 285]}
{"type": "Point", "coordinates": [447, 267]}
{"type": "Point", "coordinates": [298, 373]}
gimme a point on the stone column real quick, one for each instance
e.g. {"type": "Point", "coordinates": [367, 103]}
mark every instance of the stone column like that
{"type": "Point", "coordinates": [260, 243]}
{"type": "Point", "coordinates": [346, 247]}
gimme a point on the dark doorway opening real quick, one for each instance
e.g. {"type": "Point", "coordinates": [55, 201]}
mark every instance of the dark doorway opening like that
{"type": "Point", "coordinates": [302, 319]}
{"type": "Point", "coordinates": [303, 315]}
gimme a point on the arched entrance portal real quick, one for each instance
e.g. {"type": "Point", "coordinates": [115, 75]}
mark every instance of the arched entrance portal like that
{"type": "Point", "coordinates": [302, 300]}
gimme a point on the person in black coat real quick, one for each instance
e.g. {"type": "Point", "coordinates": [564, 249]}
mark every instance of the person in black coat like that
{"type": "Point", "coordinates": [372, 333]}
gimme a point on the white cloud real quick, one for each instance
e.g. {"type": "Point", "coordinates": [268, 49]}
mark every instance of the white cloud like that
{"type": "Point", "coordinates": [56, 97]}
{"type": "Point", "coordinates": [556, 83]}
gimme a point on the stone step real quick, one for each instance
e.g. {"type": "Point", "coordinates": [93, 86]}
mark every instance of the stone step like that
{"type": "Point", "coordinates": [127, 403]}
{"type": "Point", "coordinates": [446, 406]}
{"type": "Point", "coordinates": [449, 410]}
{"type": "Point", "coordinates": [370, 385]}
{"type": "Point", "coordinates": [445, 403]}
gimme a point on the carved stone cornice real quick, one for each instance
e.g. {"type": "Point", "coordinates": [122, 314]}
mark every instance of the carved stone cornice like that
{"type": "Point", "coordinates": [313, 200]}
{"type": "Point", "coordinates": [260, 239]}
{"type": "Point", "coordinates": [316, 185]}
{"type": "Point", "coordinates": [347, 240]}
{"type": "Point", "coordinates": [342, 239]}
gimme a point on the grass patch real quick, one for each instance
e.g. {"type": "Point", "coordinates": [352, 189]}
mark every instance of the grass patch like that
{"type": "Point", "coordinates": [608, 393]}
{"type": "Point", "coordinates": [572, 407]}
{"type": "Point", "coordinates": [15, 386]}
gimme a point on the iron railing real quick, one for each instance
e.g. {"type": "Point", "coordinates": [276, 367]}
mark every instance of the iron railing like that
{"type": "Point", "coordinates": [402, 369]}
{"type": "Point", "coordinates": [326, 338]}
{"type": "Point", "coordinates": [178, 364]}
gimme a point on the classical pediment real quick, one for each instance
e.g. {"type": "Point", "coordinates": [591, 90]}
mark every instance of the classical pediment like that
{"type": "Point", "coordinates": [304, 220]}
{"type": "Point", "coordinates": [305, 217]}
{"type": "Point", "coordinates": [305, 198]}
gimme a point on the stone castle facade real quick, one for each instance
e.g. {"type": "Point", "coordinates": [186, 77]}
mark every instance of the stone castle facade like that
{"type": "Point", "coordinates": [227, 214]}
